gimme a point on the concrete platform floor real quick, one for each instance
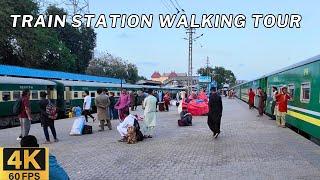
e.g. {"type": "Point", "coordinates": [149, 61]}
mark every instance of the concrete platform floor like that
{"type": "Point", "coordinates": [248, 148]}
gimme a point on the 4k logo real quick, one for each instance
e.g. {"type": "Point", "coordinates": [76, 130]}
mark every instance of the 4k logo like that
{"type": "Point", "coordinates": [23, 159]}
{"type": "Point", "coordinates": [24, 163]}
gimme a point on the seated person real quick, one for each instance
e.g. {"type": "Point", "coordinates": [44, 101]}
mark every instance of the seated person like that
{"type": "Point", "coordinates": [186, 117]}
{"type": "Point", "coordinates": [123, 126]}
{"type": "Point", "coordinates": [55, 170]}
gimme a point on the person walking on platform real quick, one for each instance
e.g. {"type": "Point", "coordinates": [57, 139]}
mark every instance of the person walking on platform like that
{"type": "Point", "coordinates": [123, 104]}
{"type": "Point", "coordinates": [273, 102]}
{"type": "Point", "coordinates": [262, 100]}
{"type": "Point", "coordinates": [282, 101]}
{"type": "Point", "coordinates": [25, 114]}
{"type": "Point", "coordinates": [87, 106]}
{"type": "Point", "coordinates": [251, 95]}
{"type": "Point", "coordinates": [132, 100]}
{"type": "Point", "coordinates": [155, 94]}
{"type": "Point", "coordinates": [136, 98]}
{"type": "Point", "coordinates": [111, 106]}
{"type": "Point", "coordinates": [160, 96]}
{"type": "Point", "coordinates": [102, 103]}
{"type": "Point", "coordinates": [215, 112]}
{"type": "Point", "coordinates": [149, 122]}
{"type": "Point", "coordinates": [45, 120]}
{"type": "Point", "coordinates": [166, 99]}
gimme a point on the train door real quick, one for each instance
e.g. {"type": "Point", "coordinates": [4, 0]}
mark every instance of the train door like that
{"type": "Point", "coordinates": [263, 84]}
{"type": "Point", "coordinates": [67, 95]}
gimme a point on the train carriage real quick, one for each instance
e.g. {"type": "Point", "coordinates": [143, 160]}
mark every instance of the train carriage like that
{"type": "Point", "coordinates": [303, 82]}
{"type": "Point", "coordinates": [11, 90]}
{"type": "Point", "coordinates": [70, 93]}
{"type": "Point", "coordinates": [65, 93]}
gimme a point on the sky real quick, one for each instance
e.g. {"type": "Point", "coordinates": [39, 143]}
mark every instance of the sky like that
{"type": "Point", "coordinates": [248, 52]}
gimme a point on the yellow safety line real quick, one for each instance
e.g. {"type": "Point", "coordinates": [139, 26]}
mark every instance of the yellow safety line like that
{"type": "Point", "coordinates": [305, 118]}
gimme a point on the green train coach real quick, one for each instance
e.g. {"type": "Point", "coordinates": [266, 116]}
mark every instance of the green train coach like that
{"type": "Point", "coordinates": [65, 93]}
{"type": "Point", "coordinates": [10, 91]}
{"type": "Point", "coordinates": [303, 82]}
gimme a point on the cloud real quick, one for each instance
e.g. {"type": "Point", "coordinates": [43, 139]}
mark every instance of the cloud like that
{"type": "Point", "coordinates": [148, 63]}
{"type": "Point", "coordinates": [123, 36]}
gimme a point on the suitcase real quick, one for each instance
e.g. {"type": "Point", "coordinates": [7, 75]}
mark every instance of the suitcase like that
{"type": "Point", "coordinates": [87, 129]}
{"type": "Point", "coordinates": [161, 106]}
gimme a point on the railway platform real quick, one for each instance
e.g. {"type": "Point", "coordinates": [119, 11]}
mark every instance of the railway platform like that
{"type": "Point", "coordinates": [248, 147]}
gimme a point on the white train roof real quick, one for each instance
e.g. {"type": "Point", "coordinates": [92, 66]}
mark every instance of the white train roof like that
{"type": "Point", "coordinates": [299, 64]}
{"type": "Point", "coordinates": [86, 83]}
{"type": "Point", "coordinates": [28, 81]}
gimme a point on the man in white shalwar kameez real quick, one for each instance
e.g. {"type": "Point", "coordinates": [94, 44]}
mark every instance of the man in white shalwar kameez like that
{"type": "Point", "coordinates": [123, 126]}
{"type": "Point", "coordinates": [150, 109]}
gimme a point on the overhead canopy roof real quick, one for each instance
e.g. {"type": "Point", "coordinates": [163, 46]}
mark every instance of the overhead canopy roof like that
{"type": "Point", "coordinates": [6, 70]}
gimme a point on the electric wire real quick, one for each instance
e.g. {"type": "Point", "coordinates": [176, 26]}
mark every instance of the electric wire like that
{"type": "Point", "coordinates": [166, 5]}
{"type": "Point", "coordinates": [178, 11]}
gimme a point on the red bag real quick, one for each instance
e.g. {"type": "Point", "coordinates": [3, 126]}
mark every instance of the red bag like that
{"type": "Point", "coordinates": [198, 107]}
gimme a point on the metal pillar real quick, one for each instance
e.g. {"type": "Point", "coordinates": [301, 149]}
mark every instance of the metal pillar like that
{"type": "Point", "coordinates": [190, 32]}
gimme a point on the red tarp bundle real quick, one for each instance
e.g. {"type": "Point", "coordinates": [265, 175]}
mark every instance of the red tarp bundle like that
{"type": "Point", "coordinates": [198, 107]}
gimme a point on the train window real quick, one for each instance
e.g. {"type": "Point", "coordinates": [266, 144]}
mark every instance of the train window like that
{"type": "Point", "coordinates": [75, 95]}
{"type": "Point", "coordinates": [93, 94]}
{"type": "Point", "coordinates": [6, 96]}
{"type": "Point", "coordinates": [291, 91]}
{"type": "Point", "coordinates": [16, 95]}
{"type": "Point", "coordinates": [34, 95]}
{"type": "Point", "coordinates": [305, 92]}
{"type": "Point", "coordinates": [118, 93]}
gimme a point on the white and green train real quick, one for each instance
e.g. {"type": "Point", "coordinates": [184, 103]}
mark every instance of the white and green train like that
{"type": "Point", "coordinates": [65, 93]}
{"type": "Point", "coordinates": [303, 82]}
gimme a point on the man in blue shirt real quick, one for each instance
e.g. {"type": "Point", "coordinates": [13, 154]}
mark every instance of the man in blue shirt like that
{"type": "Point", "coordinates": [56, 172]}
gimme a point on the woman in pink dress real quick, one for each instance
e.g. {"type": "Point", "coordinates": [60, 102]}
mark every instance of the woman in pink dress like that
{"type": "Point", "coordinates": [123, 104]}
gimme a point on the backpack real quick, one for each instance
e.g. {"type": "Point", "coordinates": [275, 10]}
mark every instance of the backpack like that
{"type": "Point", "coordinates": [51, 110]}
{"type": "Point", "coordinates": [139, 134]}
{"type": "Point", "coordinates": [17, 107]}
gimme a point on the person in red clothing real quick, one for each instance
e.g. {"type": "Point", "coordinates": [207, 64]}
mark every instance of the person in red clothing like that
{"type": "Point", "coordinates": [25, 114]}
{"type": "Point", "coordinates": [167, 100]}
{"type": "Point", "coordinates": [251, 95]}
{"type": "Point", "coordinates": [282, 104]}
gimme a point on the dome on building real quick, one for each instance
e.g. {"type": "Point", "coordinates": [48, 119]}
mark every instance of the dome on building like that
{"type": "Point", "coordinates": [156, 75]}
{"type": "Point", "coordinates": [173, 75]}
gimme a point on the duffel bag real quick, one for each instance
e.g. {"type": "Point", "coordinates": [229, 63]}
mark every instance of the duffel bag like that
{"type": "Point", "coordinates": [87, 129]}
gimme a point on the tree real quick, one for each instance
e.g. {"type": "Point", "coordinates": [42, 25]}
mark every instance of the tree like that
{"type": "Point", "coordinates": [30, 47]}
{"type": "Point", "coordinates": [14, 40]}
{"type": "Point", "coordinates": [116, 67]}
{"type": "Point", "coordinates": [80, 41]}
{"type": "Point", "coordinates": [219, 74]}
